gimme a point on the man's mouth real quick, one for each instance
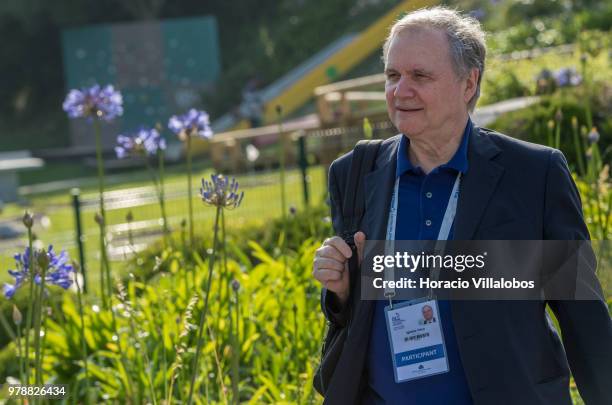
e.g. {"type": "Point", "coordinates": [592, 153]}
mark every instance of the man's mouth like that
{"type": "Point", "coordinates": [406, 109]}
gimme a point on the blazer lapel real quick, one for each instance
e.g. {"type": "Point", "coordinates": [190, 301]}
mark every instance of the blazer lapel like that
{"type": "Point", "coordinates": [478, 184]}
{"type": "Point", "coordinates": [477, 187]}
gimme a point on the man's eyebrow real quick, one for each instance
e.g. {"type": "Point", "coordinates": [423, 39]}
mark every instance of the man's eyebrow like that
{"type": "Point", "coordinates": [422, 71]}
{"type": "Point", "coordinates": [413, 71]}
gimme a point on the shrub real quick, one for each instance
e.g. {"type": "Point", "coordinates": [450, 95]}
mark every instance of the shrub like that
{"type": "Point", "coordinates": [530, 124]}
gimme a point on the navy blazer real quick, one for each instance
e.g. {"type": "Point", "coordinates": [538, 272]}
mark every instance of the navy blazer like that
{"type": "Point", "coordinates": [510, 350]}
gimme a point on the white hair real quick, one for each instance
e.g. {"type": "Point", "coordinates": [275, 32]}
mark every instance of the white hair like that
{"type": "Point", "coordinates": [466, 39]}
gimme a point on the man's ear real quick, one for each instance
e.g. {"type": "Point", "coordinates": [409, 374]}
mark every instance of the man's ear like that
{"type": "Point", "coordinates": [471, 85]}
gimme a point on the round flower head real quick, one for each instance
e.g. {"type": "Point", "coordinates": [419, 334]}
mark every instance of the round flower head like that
{"type": "Point", "coordinates": [567, 77]}
{"type": "Point", "coordinates": [593, 136]}
{"type": "Point", "coordinates": [144, 142]}
{"type": "Point", "coordinates": [58, 271]}
{"type": "Point", "coordinates": [220, 192]}
{"type": "Point", "coordinates": [194, 123]}
{"type": "Point", "coordinates": [104, 103]}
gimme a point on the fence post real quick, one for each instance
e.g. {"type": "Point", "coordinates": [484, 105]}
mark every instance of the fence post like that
{"type": "Point", "coordinates": [304, 167]}
{"type": "Point", "coordinates": [76, 205]}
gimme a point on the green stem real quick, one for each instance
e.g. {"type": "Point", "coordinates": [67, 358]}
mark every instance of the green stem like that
{"type": "Point", "coordinates": [37, 327]}
{"type": "Point", "coordinates": [549, 136]}
{"type": "Point", "coordinates": [236, 354]}
{"type": "Point", "coordinates": [295, 354]}
{"type": "Point", "coordinates": [28, 325]}
{"type": "Point", "coordinates": [20, 354]}
{"type": "Point", "coordinates": [579, 151]}
{"type": "Point", "coordinates": [160, 193]}
{"type": "Point", "coordinates": [83, 342]}
{"type": "Point", "coordinates": [587, 98]}
{"type": "Point", "coordinates": [225, 276]}
{"type": "Point", "coordinates": [211, 262]}
{"type": "Point", "coordinates": [104, 266]}
{"type": "Point", "coordinates": [558, 135]}
{"type": "Point", "coordinates": [7, 327]}
{"type": "Point", "coordinates": [130, 236]}
{"type": "Point", "coordinates": [162, 199]}
{"type": "Point", "coordinates": [162, 334]}
{"type": "Point", "coordinates": [218, 363]}
{"type": "Point", "coordinates": [189, 198]}
{"type": "Point", "coordinates": [43, 343]}
{"type": "Point", "coordinates": [102, 273]}
{"type": "Point", "coordinates": [100, 163]}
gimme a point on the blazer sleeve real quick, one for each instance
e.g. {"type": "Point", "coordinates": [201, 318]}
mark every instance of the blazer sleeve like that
{"type": "Point", "coordinates": [332, 309]}
{"type": "Point", "coordinates": [586, 326]}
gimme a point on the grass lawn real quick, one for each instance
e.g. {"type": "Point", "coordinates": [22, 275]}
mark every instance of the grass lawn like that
{"type": "Point", "coordinates": [261, 202]}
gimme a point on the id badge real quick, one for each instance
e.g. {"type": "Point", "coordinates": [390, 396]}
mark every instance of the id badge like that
{"type": "Point", "coordinates": [416, 339]}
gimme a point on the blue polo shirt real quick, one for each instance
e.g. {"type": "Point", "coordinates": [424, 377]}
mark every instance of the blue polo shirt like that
{"type": "Point", "coordinates": [422, 201]}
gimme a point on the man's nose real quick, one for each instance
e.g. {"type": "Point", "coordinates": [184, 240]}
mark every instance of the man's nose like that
{"type": "Point", "coordinates": [404, 89]}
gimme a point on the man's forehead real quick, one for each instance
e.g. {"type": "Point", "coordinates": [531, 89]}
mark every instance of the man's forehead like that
{"type": "Point", "coordinates": [422, 40]}
{"type": "Point", "coordinates": [417, 49]}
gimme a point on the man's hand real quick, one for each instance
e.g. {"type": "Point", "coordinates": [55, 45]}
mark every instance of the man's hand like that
{"type": "Point", "coordinates": [330, 266]}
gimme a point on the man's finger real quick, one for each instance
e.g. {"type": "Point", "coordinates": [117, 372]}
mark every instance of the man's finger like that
{"type": "Point", "coordinates": [330, 252]}
{"type": "Point", "coordinates": [326, 263]}
{"type": "Point", "coordinates": [325, 275]}
{"type": "Point", "coordinates": [339, 244]}
{"type": "Point", "coordinates": [360, 239]}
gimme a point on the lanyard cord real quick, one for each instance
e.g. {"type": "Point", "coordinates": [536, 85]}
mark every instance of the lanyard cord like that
{"type": "Point", "coordinates": [445, 228]}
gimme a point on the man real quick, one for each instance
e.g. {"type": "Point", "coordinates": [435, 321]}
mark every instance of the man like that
{"type": "Point", "coordinates": [428, 316]}
{"type": "Point", "coordinates": [497, 352]}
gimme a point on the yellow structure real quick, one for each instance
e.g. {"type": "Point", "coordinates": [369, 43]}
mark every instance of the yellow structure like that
{"type": "Point", "coordinates": [367, 42]}
{"type": "Point", "coordinates": [363, 45]}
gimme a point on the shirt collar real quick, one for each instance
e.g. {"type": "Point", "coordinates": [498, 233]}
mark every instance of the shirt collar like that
{"type": "Point", "coordinates": [458, 162]}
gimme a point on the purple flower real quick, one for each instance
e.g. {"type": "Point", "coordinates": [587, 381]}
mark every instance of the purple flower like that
{"type": "Point", "coordinates": [220, 192]}
{"type": "Point", "coordinates": [9, 290]}
{"type": "Point", "coordinates": [194, 123]}
{"type": "Point", "coordinates": [58, 270]}
{"type": "Point", "coordinates": [566, 77]}
{"type": "Point", "coordinates": [593, 136]}
{"type": "Point", "coordinates": [145, 141]}
{"type": "Point", "coordinates": [478, 14]}
{"type": "Point", "coordinates": [104, 103]}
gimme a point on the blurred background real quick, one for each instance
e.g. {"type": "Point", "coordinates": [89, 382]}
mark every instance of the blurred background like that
{"type": "Point", "coordinates": [289, 85]}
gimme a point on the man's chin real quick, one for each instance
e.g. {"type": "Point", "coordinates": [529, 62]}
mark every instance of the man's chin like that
{"type": "Point", "coordinates": [409, 128]}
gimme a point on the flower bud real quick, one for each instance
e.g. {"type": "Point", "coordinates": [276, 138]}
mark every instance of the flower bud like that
{"type": "Point", "coordinates": [129, 217]}
{"type": "Point", "coordinates": [558, 115]}
{"type": "Point", "coordinates": [17, 318]}
{"type": "Point", "coordinates": [235, 285]}
{"type": "Point", "coordinates": [28, 220]}
{"type": "Point", "coordinates": [550, 124]}
{"type": "Point", "coordinates": [574, 122]}
{"type": "Point", "coordinates": [583, 131]}
{"type": "Point", "coordinates": [593, 136]}
{"type": "Point", "coordinates": [43, 259]}
{"type": "Point", "coordinates": [279, 109]}
{"type": "Point", "coordinates": [99, 219]}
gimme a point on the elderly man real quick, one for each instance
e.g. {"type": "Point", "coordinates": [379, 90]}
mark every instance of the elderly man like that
{"type": "Point", "coordinates": [497, 352]}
